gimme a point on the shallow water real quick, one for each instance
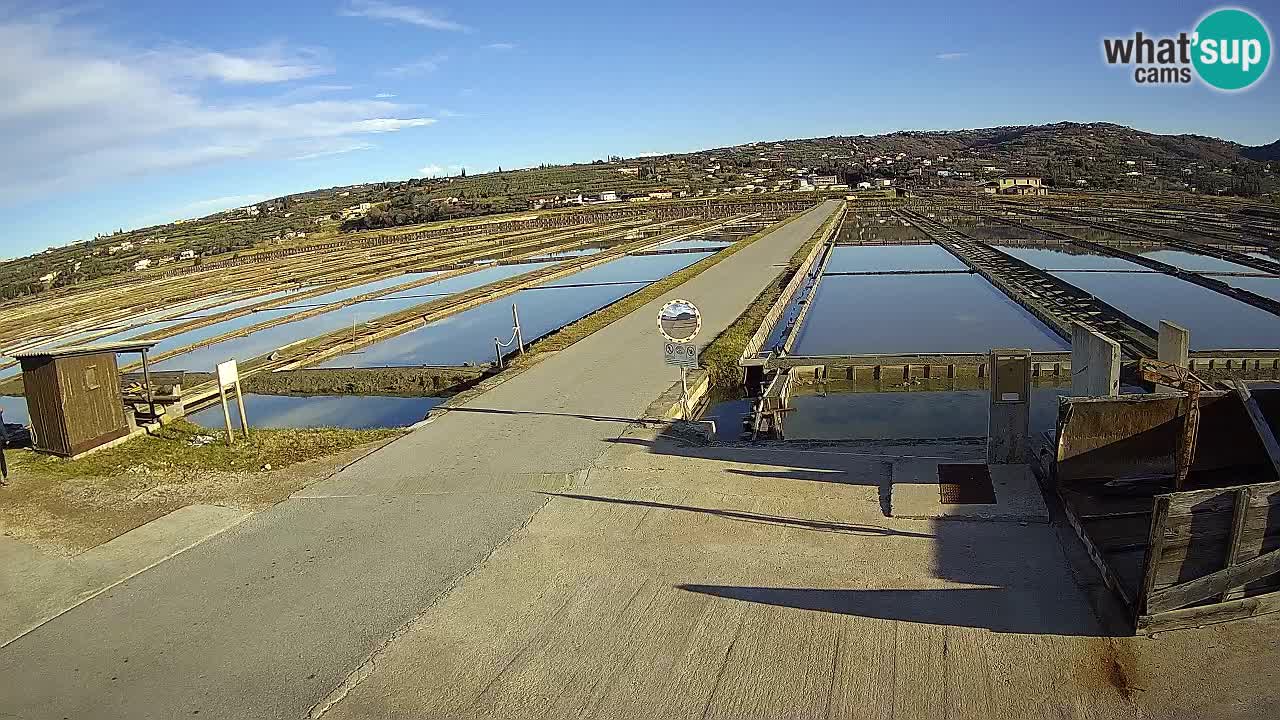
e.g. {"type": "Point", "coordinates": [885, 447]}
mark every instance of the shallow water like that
{"type": "Point", "coordinates": [15, 409]}
{"type": "Point", "coordinates": [345, 411]}
{"type": "Point", "coordinates": [1059, 258]}
{"type": "Point", "coordinates": [882, 258]}
{"type": "Point", "coordinates": [467, 337]}
{"type": "Point", "coordinates": [266, 340]}
{"type": "Point", "coordinates": [1196, 262]}
{"type": "Point", "coordinates": [1216, 322]}
{"type": "Point", "coordinates": [854, 315]}
{"type": "Point", "coordinates": [886, 415]}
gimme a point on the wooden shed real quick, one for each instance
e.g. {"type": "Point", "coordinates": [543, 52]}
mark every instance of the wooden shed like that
{"type": "Point", "coordinates": [73, 396]}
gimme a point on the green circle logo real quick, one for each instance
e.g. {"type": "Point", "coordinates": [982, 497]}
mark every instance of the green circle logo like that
{"type": "Point", "coordinates": [1232, 49]}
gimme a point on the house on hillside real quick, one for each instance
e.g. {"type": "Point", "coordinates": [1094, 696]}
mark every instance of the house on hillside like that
{"type": "Point", "coordinates": [1016, 185]}
{"type": "Point", "coordinates": [187, 255]}
{"type": "Point", "coordinates": [142, 264]}
{"type": "Point", "coordinates": [660, 195]}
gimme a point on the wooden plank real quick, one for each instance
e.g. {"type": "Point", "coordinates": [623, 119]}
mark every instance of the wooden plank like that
{"type": "Point", "coordinates": [1183, 502]}
{"type": "Point", "coordinates": [1110, 577]}
{"type": "Point", "coordinates": [1237, 531]}
{"type": "Point", "coordinates": [1155, 548]}
{"type": "Point", "coordinates": [1209, 614]}
{"type": "Point", "coordinates": [1179, 596]}
{"type": "Point", "coordinates": [1260, 424]}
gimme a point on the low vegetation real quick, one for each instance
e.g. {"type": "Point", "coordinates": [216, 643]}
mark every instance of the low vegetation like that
{"type": "Point", "coordinates": [606, 316]}
{"type": "Point", "coordinates": [720, 356]}
{"type": "Point", "coordinates": [69, 506]}
{"type": "Point", "coordinates": [183, 446]}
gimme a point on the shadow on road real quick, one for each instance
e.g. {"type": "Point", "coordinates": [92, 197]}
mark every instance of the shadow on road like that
{"type": "Point", "coordinates": [595, 418]}
{"type": "Point", "coordinates": [740, 515]}
{"type": "Point", "coordinates": [1002, 576]}
{"type": "Point", "coordinates": [997, 609]}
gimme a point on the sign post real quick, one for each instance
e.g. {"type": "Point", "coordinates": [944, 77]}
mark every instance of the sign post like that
{"type": "Point", "coordinates": [679, 322]}
{"type": "Point", "coordinates": [228, 378]}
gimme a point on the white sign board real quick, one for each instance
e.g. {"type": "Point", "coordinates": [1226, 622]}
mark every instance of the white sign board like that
{"type": "Point", "coordinates": [682, 354]}
{"type": "Point", "coordinates": [228, 374]}
{"type": "Point", "coordinates": [679, 321]}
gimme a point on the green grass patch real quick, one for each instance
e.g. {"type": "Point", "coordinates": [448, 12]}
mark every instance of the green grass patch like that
{"type": "Point", "coordinates": [606, 316]}
{"type": "Point", "coordinates": [720, 356]}
{"type": "Point", "coordinates": [177, 447]}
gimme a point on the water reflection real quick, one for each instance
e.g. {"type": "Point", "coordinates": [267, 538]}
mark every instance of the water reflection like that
{"type": "Point", "coordinates": [917, 313]}
{"type": "Point", "coordinates": [1216, 322]}
{"type": "Point", "coordinates": [467, 337]}
{"type": "Point", "coordinates": [269, 339]}
{"type": "Point", "coordinates": [15, 409]}
{"type": "Point", "coordinates": [882, 258]}
{"type": "Point", "coordinates": [1062, 258]}
{"type": "Point", "coordinates": [345, 411]}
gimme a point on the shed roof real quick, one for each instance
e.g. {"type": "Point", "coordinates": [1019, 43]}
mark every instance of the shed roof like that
{"type": "Point", "coordinates": [116, 347]}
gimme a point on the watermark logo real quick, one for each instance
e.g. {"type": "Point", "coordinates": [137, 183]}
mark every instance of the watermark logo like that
{"type": "Point", "coordinates": [1229, 49]}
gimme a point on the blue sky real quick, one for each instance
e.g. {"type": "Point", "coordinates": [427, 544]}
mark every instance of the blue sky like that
{"type": "Point", "coordinates": [134, 113]}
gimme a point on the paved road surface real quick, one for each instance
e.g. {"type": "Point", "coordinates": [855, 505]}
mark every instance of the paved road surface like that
{"type": "Point", "coordinates": [267, 619]}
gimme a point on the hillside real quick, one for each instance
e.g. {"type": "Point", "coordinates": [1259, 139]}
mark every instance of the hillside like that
{"type": "Point", "coordinates": [1088, 156]}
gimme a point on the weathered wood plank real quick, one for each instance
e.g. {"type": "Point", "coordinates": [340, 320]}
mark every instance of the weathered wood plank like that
{"type": "Point", "coordinates": [1110, 577]}
{"type": "Point", "coordinates": [1179, 596]}
{"type": "Point", "coordinates": [1237, 531]}
{"type": "Point", "coordinates": [1184, 502]}
{"type": "Point", "coordinates": [1155, 549]}
{"type": "Point", "coordinates": [1260, 424]}
{"type": "Point", "coordinates": [1209, 614]}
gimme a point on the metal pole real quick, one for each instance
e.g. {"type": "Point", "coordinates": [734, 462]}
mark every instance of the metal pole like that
{"type": "Point", "coordinates": [244, 421]}
{"type": "Point", "coordinates": [497, 350]}
{"type": "Point", "coordinates": [146, 377]}
{"type": "Point", "coordinates": [226, 414]}
{"type": "Point", "coordinates": [684, 394]}
{"type": "Point", "coordinates": [515, 318]}
{"type": "Point", "coordinates": [4, 442]}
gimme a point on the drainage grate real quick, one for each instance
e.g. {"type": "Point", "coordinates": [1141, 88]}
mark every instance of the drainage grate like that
{"type": "Point", "coordinates": [965, 484]}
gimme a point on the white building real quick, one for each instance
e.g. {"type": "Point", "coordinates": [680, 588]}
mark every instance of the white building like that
{"type": "Point", "coordinates": [187, 255]}
{"type": "Point", "coordinates": [142, 264]}
{"type": "Point", "coordinates": [609, 196]}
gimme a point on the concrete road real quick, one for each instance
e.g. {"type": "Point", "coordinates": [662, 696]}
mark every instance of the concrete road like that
{"type": "Point", "coordinates": [727, 582]}
{"type": "Point", "coordinates": [269, 618]}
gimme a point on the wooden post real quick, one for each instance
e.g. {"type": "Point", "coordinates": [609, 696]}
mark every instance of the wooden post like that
{"type": "Point", "coordinates": [226, 414]}
{"type": "Point", "coordinates": [244, 420]}
{"type": "Point", "coordinates": [146, 377]}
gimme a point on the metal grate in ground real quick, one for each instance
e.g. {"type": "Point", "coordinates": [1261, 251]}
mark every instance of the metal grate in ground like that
{"type": "Point", "coordinates": [965, 484]}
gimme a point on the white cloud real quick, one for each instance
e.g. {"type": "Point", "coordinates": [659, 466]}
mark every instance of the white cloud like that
{"type": "Point", "coordinates": [951, 55]}
{"type": "Point", "coordinates": [384, 96]}
{"type": "Point", "coordinates": [439, 170]}
{"type": "Point", "coordinates": [339, 150]}
{"type": "Point", "coordinates": [270, 65]}
{"type": "Point", "coordinates": [78, 109]}
{"type": "Point", "coordinates": [500, 46]}
{"type": "Point", "coordinates": [378, 10]}
{"type": "Point", "coordinates": [418, 67]}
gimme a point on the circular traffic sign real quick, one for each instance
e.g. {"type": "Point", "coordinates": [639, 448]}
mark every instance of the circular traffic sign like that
{"type": "Point", "coordinates": [679, 321]}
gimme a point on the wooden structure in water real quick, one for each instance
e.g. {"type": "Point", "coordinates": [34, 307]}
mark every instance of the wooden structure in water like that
{"type": "Point", "coordinates": [74, 397]}
{"type": "Point", "coordinates": [1207, 553]}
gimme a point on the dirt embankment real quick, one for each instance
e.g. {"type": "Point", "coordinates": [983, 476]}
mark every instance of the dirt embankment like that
{"type": "Point", "coordinates": [402, 382]}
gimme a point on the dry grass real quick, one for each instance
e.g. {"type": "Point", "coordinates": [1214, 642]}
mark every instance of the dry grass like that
{"type": "Point", "coordinates": [70, 506]}
{"type": "Point", "coordinates": [175, 448]}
